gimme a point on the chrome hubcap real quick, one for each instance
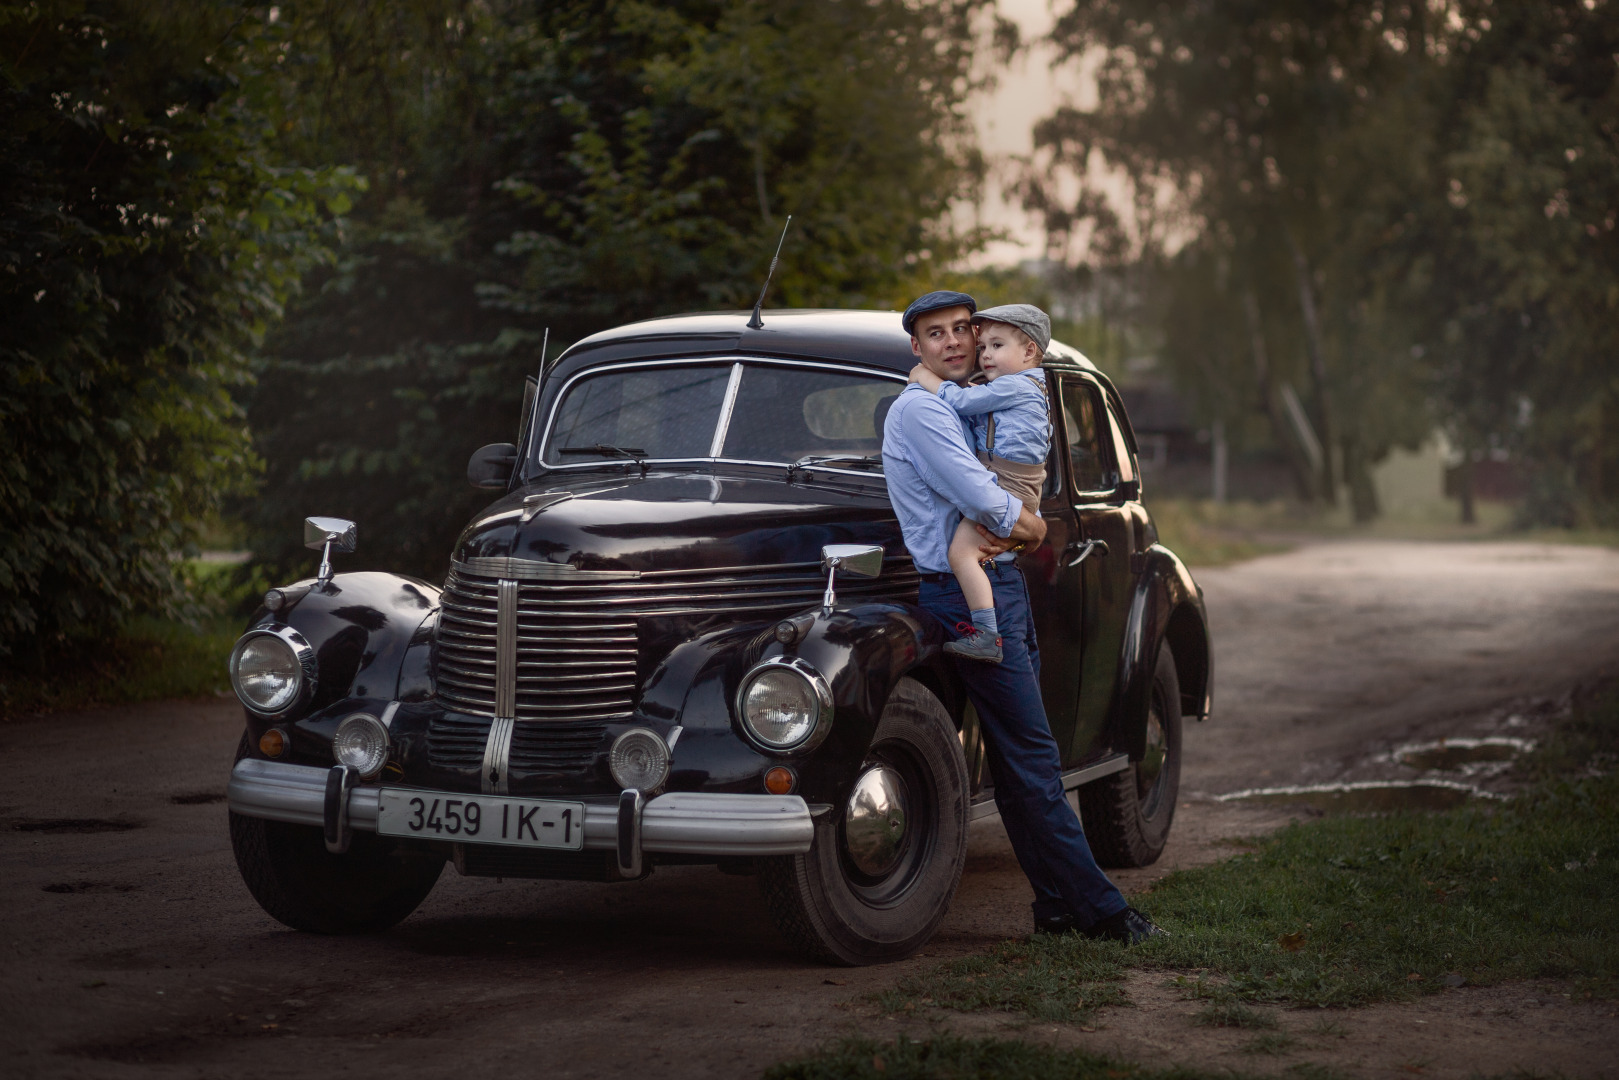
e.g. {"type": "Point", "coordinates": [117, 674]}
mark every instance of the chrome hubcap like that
{"type": "Point", "coordinates": [1152, 762]}
{"type": "Point", "coordinates": [874, 822]}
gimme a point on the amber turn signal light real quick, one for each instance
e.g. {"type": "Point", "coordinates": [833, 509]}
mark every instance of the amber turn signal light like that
{"type": "Point", "coordinates": [779, 780]}
{"type": "Point", "coordinates": [273, 743]}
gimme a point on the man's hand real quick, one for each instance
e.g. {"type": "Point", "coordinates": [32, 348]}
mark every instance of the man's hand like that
{"type": "Point", "coordinates": [1029, 532]}
{"type": "Point", "coordinates": [929, 381]}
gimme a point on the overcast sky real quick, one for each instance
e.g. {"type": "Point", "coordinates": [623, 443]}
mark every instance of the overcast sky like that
{"type": "Point", "coordinates": [1028, 90]}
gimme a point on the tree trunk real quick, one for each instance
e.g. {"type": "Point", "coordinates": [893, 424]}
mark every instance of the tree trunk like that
{"type": "Point", "coordinates": [1270, 398]}
{"type": "Point", "coordinates": [1464, 489]}
{"type": "Point", "coordinates": [1325, 429]}
{"type": "Point", "coordinates": [1363, 501]}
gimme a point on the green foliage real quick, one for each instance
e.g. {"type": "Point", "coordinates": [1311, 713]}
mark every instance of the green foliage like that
{"type": "Point", "coordinates": [575, 166]}
{"type": "Point", "coordinates": [148, 239]}
{"type": "Point", "coordinates": [950, 1057]}
{"type": "Point", "coordinates": [1398, 214]}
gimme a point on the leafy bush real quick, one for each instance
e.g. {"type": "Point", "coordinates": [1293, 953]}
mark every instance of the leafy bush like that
{"type": "Point", "coordinates": [147, 241]}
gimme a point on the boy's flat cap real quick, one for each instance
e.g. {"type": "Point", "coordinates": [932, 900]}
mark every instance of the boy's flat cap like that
{"type": "Point", "coordinates": [1026, 317]}
{"type": "Point", "coordinates": [933, 301]}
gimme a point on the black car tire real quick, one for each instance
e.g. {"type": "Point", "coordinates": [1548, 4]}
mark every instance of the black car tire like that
{"type": "Point", "coordinates": [823, 903]}
{"type": "Point", "coordinates": [1127, 815]}
{"type": "Point", "coordinates": [287, 868]}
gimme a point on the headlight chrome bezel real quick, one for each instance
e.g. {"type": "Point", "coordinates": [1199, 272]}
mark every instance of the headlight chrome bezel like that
{"type": "Point", "coordinates": [820, 691]}
{"type": "Point", "coordinates": [303, 656]}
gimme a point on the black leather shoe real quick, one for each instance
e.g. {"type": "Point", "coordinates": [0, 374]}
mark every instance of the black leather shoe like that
{"type": "Point", "coordinates": [1055, 924]}
{"type": "Point", "coordinates": [1128, 926]}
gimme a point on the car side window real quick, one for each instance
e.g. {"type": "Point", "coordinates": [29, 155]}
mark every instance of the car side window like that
{"type": "Point", "coordinates": [1087, 428]}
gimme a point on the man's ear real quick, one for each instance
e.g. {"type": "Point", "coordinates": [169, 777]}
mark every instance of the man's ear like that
{"type": "Point", "coordinates": [916, 346]}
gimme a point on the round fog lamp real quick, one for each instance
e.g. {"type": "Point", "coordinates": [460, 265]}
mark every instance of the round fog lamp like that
{"type": "Point", "coordinates": [266, 672]}
{"type": "Point", "coordinates": [781, 705]}
{"type": "Point", "coordinates": [639, 759]}
{"type": "Point", "coordinates": [361, 742]}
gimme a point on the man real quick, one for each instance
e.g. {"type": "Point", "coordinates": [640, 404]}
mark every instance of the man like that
{"type": "Point", "coordinates": [934, 480]}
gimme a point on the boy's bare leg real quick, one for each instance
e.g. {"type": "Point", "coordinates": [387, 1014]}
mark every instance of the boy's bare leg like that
{"type": "Point", "coordinates": [964, 556]}
{"type": "Point", "coordinates": [983, 642]}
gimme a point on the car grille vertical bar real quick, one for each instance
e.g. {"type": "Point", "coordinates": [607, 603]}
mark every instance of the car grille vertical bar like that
{"type": "Point", "coordinates": [498, 750]}
{"type": "Point", "coordinates": [506, 650]}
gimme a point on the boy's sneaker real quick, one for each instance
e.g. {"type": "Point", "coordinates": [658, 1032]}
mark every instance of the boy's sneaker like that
{"type": "Point", "coordinates": [975, 644]}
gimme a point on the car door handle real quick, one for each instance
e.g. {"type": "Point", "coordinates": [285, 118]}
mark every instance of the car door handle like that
{"type": "Point", "coordinates": [1086, 549]}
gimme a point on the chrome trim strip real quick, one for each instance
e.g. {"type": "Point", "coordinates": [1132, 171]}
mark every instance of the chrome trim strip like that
{"type": "Point", "coordinates": [734, 359]}
{"type": "Point", "coordinates": [682, 822]}
{"type": "Point", "coordinates": [388, 714]}
{"type": "Point", "coordinates": [984, 806]}
{"type": "Point", "coordinates": [535, 570]}
{"type": "Point", "coordinates": [1106, 767]}
{"type": "Point", "coordinates": [723, 427]}
{"type": "Point", "coordinates": [506, 650]}
{"type": "Point", "coordinates": [497, 756]}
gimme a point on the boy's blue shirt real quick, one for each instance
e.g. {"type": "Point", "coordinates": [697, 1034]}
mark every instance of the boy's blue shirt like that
{"type": "Point", "coordinates": [1022, 418]}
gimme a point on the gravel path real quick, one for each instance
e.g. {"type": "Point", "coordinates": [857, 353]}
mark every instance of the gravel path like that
{"type": "Point", "coordinates": [132, 949]}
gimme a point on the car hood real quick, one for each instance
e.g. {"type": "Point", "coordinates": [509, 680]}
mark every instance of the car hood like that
{"type": "Point", "coordinates": [681, 520]}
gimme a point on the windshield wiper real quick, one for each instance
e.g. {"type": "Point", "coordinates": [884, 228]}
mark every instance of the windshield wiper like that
{"type": "Point", "coordinates": [828, 459]}
{"type": "Point", "coordinates": [634, 453]}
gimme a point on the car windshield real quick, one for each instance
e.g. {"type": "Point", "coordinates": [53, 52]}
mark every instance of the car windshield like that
{"type": "Point", "coordinates": [780, 413]}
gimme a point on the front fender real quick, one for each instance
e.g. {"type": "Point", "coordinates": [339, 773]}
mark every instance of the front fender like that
{"type": "Point", "coordinates": [1166, 608]}
{"type": "Point", "coordinates": [862, 652]}
{"type": "Point", "coordinates": [361, 627]}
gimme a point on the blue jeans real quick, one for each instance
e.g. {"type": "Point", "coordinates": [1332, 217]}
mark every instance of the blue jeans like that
{"type": "Point", "coordinates": [1023, 759]}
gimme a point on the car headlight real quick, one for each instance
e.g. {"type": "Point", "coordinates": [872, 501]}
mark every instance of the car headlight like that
{"type": "Point", "coordinates": [639, 759]}
{"type": "Point", "coordinates": [361, 743]}
{"type": "Point", "coordinates": [272, 670]}
{"type": "Point", "coordinates": [785, 704]}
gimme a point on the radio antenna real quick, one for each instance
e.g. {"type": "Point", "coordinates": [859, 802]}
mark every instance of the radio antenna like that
{"type": "Point", "coordinates": [545, 343]}
{"type": "Point", "coordinates": [757, 323]}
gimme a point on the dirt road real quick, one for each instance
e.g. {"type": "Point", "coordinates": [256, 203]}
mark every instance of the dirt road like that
{"type": "Point", "coordinates": [132, 949]}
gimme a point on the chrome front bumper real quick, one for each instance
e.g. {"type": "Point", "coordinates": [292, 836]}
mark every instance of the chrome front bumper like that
{"type": "Point", "coordinates": [681, 822]}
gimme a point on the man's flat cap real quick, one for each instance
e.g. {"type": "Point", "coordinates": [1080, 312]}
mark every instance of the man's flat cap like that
{"type": "Point", "coordinates": [933, 301]}
{"type": "Point", "coordinates": [1026, 317]}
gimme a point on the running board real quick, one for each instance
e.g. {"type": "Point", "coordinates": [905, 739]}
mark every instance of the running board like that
{"type": "Point", "coordinates": [984, 805]}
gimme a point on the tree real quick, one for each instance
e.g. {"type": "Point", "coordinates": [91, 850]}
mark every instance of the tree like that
{"type": "Point", "coordinates": [148, 238]}
{"type": "Point", "coordinates": [573, 166]}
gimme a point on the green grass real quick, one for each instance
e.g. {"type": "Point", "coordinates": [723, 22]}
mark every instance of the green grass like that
{"type": "Point", "coordinates": [1354, 910]}
{"type": "Point", "coordinates": [146, 658]}
{"type": "Point", "coordinates": [947, 1057]}
{"type": "Point", "coordinates": [1043, 978]}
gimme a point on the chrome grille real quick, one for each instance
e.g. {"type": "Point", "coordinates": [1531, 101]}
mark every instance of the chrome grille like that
{"type": "Point", "coordinates": [576, 638]}
{"type": "Point", "coordinates": [457, 742]}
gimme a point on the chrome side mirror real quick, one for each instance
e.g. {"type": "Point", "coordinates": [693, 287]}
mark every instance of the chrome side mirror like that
{"type": "Point", "coordinates": [861, 560]}
{"type": "Point", "coordinates": [326, 535]}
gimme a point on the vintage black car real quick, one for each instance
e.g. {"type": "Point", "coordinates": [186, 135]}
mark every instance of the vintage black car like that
{"type": "Point", "coordinates": [685, 633]}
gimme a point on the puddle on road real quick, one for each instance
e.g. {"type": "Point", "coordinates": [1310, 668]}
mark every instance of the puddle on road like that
{"type": "Point", "coordinates": [1490, 754]}
{"type": "Point", "coordinates": [1365, 797]}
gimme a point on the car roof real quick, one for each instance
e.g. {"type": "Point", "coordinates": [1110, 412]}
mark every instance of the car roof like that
{"type": "Point", "coordinates": [872, 338]}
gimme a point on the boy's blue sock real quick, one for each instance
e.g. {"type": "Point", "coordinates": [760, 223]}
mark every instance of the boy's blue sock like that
{"type": "Point", "coordinates": [984, 619]}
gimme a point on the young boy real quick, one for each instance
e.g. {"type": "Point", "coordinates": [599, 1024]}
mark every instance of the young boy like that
{"type": "Point", "coordinates": [1010, 419]}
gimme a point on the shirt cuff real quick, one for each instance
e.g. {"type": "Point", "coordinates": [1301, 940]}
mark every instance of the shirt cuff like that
{"type": "Point", "coordinates": [1003, 525]}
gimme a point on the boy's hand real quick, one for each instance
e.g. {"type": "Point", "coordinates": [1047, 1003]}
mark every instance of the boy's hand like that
{"type": "Point", "coordinates": [929, 381]}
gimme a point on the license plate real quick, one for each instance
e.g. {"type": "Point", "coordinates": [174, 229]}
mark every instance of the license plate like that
{"type": "Point", "coordinates": [439, 815]}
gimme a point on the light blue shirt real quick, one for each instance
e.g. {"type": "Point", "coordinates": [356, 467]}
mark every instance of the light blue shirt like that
{"type": "Point", "coordinates": [1022, 415]}
{"type": "Point", "coordinates": [934, 479]}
